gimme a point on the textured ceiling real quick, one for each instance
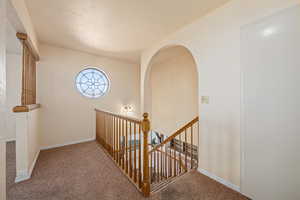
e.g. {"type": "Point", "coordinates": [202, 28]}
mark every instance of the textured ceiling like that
{"type": "Point", "coordinates": [113, 28]}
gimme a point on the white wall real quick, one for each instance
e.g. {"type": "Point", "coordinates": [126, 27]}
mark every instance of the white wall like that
{"type": "Point", "coordinates": [214, 41]}
{"type": "Point", "coordinates": [28, 139]}
{"type": "Point", "coordinates": [270, 60]}
{"type": "Point", "coordinates": [174, 86]}
{"type": "Point", "coordinates": [2, 99]}
{"type": "Point", "coordinates": [14, 91]}
{"type": "Point", "coordinates": [66, 115]}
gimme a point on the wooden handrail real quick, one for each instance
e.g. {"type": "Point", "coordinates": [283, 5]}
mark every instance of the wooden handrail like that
{"type": "Point", "coordinates": [26, 108]}
{"type": "Point", "coordinates": [174, 135]}
{"type": "Point", "coordinates": [131, 119]}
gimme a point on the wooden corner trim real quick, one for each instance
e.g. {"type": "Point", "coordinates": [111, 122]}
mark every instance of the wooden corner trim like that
{"type": "Point", "coordinates": [26, 108]}
{"type": "Point", "coordinates": [24, 37]}
{"type": "Point", "coordinates": [21, 36]}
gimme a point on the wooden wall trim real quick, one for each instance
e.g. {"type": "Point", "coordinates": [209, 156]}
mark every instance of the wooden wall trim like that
{"type": "Point", "coordinates": [26, 108]}
{"type": "Point", "coordinates": [24, 38]}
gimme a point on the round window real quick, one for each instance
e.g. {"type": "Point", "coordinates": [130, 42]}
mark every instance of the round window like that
{"type": "Point", "coordinates": [92, 83]}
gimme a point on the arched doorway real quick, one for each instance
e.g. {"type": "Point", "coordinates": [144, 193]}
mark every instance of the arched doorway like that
{"type": "Point", "coordinates": [171, 89]}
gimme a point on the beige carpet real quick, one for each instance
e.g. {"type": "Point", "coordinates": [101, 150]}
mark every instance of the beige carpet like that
{"type": "Point", "coordinates": [84, 172]}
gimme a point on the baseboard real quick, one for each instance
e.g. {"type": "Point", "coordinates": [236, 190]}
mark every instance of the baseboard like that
{"type": "Point", "coordinates": [22, 176]}
{"type": "Point", "coordinates": [220, 180]}
{"type": "Point", "coordinates": [25, 175]}
{"type": "Point", "coordinates": [68, 143]}
{"type": "Point", "coordinates": [33, 163]}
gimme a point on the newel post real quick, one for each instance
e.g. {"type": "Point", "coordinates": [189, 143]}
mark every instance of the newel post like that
{"type": "Point", "coordinates": [146, 180]}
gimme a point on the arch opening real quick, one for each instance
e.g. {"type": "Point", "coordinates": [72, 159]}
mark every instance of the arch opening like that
{"type": "Point", "coordinates": [171, 89]}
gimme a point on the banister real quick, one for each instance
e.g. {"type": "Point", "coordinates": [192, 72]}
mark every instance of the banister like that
{"type": "Point", "coordinates": [146, 178]}
{"type": "Point", "coordinates": [144, 166]}
{"type": "Point", "coordinates": [131, 119]}
{"type": "Point", "coordinates": [174, 135]}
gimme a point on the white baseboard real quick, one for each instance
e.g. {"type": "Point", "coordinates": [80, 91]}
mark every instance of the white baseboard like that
{"type": "Point", "coordinates": [22, 176]}
{"type": "Point", "coordinates": [25, 174]}
{"type": "Point", "coordinates": [33, 163]}
{"type": "Point", "coordinates": [68, 143]}
{"type": "Point", "coordinates": [220, 180]}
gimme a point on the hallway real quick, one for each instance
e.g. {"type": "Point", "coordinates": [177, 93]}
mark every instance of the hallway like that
{"type": "Point", "coordinates": [84, 172]}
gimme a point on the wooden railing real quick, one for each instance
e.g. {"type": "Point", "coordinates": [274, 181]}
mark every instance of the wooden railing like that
{"type": "Point", "coordinates": [29, 60]}
{"type": "Point", "coordinates": [175, 156]}
{"type": "Point", "coordinates": [127, 142]}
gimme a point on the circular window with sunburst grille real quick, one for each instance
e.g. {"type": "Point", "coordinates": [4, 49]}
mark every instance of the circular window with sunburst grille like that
{"type": "Point", "coordinates": [92, 83]}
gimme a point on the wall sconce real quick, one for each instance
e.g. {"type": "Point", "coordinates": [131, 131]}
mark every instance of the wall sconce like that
{"type": "Point", "coordinates": [127, 109]}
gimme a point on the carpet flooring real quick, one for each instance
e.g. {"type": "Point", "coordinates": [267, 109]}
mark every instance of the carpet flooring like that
{"type": "Point", "coordinates": [84, 172]}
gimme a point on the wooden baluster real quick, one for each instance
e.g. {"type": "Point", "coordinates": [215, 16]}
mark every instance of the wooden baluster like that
{"type": "Point", "coordinates": [106, 131]}
{"type": "Point", "coordinates": [166, 162]}
{"type": "Point", "coordinates": [140, 156]}
{"type": "Point", "coordinates": [123, 145]}
{"type": "Point", "coordinates": [97, 126]}
{"type": "Point", "coordinates": [117, 139]}
{"type": "Point", "coordinates": [181, 146]}
{"type": "Point", "coordinates": [146, 182]}
{"type": "Point", "coordinates": [175, 167]}
{"type": "Point", "coordinates": [109, 134]}
{"type": "Point", "coordinates": [186, 148]}
{"type": "Point", "coordinates": [198, 141]}
{"type": "Point", "coordinates": [151, 167]}
{"type": "Point", "coordinates": [161, 163]}
{"type": "Point", "coordinates": [103, 133]}
{"type": "Point", "coordinates": [191, 154]}
{"type": "Point", "coordinates": [170, 160]}
{"type": "Point", "coordinates": [130, 154]}
{"type": "Point", "coordinates": [105, 140]}
{"type": "Point", "coordinates": [102, 129]}
{"type": "Point", "coordinates": [119, 142]}
{"type": "Point", "coordinates": [134, 157]}
{"type": "Point", "coordinates": [157, 167]}
{"type": "Point", "coordinates": [126, 146]}
{"type": "Point", "coordinates": [114, 139]}
{"type": "Point", "coordinates": [110, 137]}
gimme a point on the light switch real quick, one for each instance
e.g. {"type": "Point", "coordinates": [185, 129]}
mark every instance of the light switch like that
{"type": "Point", "coordinates": [205, 99]}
